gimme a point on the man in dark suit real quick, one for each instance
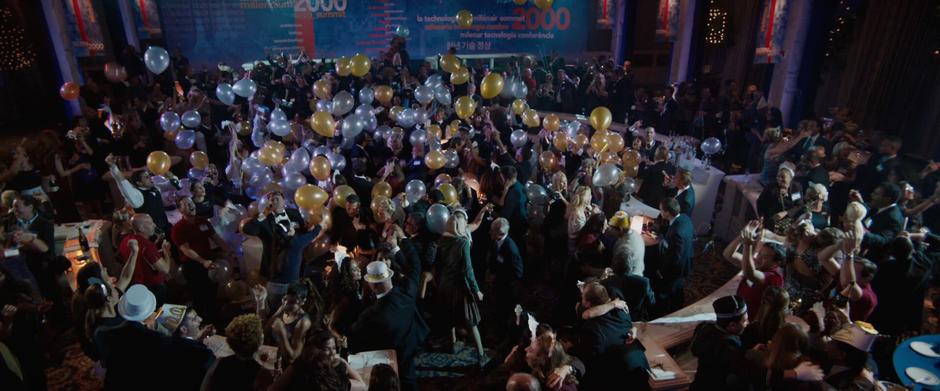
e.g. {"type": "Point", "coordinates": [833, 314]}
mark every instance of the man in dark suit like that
{"type": "Point", "coordinates": [131, 351]}
{"type": "Point", "coordinates": [633, 289]}
{"type": "Point", "coordinates": [684, 193]}
{"type": "Point", "coordinates": [814, 171]}
{"type": "Point", "coordinates": [361, 183]}
{"type": "Point", "coordinates": [392, 321]}
{"type": "Point", "coordinates": [812, 140]}
{"type": "Point", "coordinates": [276, 226]}
{"type": "Point", "coordinates": [675, 262]}
{"type": "Point", "coordinates": [504, 269]}
{"type": "Point", "coordinates": [653, 176]}
{"type": "Point", "coordinates": [883, 166]}
{"type": "Point", "coordinates": [885, 219]}
{"type": "Point", "coordinates": [650, 145]}
{"type": "Point", "coordinates": [513, 204]}
{"type": "Point", "coordinates": [606, 345]}
{"type": "Point", "coordinates": [185, 357]}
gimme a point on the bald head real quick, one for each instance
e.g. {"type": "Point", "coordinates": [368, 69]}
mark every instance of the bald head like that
{"type": "Point", "coordinates": [499, 228]}
{"type": "Point", "coordinates": [143, 224]}
{"type": "Point", "coordinates": [523, 382]}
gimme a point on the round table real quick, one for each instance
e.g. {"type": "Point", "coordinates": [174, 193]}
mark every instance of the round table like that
{"type": "Point", "coordinates": [905, 357]}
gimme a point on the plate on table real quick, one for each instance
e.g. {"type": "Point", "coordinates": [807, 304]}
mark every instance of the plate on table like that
{"type": "Point", "coordinates": [922, 376]}
{"type": "Point", "coordinates": [924, 348]}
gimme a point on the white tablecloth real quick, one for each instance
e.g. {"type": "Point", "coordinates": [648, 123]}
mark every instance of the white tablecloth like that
{"type": "Point", "coordinates": [739, 204]}
{"type": "Point", "coordinates": [705, 181]}
{"type": "Point", "coordinates": [363, 362]}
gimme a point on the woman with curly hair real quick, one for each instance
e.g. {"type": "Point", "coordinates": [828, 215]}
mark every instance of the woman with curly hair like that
{"type": "Point", "coordinates": [240, 371]}
{"type": "Point", "coordinates": [549, 363]}
{"type": "Point", "coordinates": [320, 368]}
{"type": "Point", "coordinates": [348, 300]}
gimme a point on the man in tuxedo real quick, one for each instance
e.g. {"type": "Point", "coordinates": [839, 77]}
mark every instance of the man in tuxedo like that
{"type": "Point", "coordinates": [650, 145]}
{"type": "Point", "coordinates": [675, 262]}
{"type": "Point", "coordinates": [685, 194]}
{"type": "Point", "coordinates": [883, 166]}
{"type": "Point", "coordinates": [814, 171]}
{"type": "Point", "coordinates": [360, 182]}
{"type": "Point", "coordinates": [185, 355]}
{"type": "Point", "coordinates": [885, 219]}
{"type": "Point", "coordinates": [504, 269]}
{"type": "Point", "coordinates": [606, 345]}
{"type": "Point", "coordinates": [513, 204]}
{"type": "Point", "coordinates": [812, 140]}
{"type": "Point", "coordinates": [276, 226]}
{"type": "Point", "coordinates": [140, 193]}
{"type": "Point", "coordinates": [392, 321]}
{"type": "Point", "coordinates": [344, 230]}
{"type": "Point", "coordinates": [653, 177]}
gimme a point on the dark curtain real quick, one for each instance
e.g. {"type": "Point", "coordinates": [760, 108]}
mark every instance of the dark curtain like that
{"type": "Point", "coordinates": [890, 75]}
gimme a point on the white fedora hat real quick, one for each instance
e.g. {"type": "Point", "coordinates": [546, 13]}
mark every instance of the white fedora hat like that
{"type": "Point", "coordinates": [137, 304]}
{"type": "Point", "coordinates": [377, 271]}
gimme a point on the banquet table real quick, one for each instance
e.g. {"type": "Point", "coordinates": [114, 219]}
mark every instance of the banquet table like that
{"type": "Point", "coordinates": [905, 356]}
{"type": "Point", "coordinates": [738, 206]}
{"type": "Point", "coordinates": [68, 245]}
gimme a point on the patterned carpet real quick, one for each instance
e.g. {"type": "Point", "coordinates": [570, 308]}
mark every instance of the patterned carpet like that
{"type": "Point", "coordinates": [436, 371]}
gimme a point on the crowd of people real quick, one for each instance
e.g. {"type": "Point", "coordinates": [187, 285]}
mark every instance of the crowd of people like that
{"type": "Point", "coordinates": [414, 226]}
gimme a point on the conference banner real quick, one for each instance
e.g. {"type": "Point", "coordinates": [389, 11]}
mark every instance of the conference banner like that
{"type": "Point", "coordinates": [84, 28]}
{"type": "Point", "coordinates": [238, 31]}
{"type": "Point", "coordinates": [667, 21]}
{"type": "Point", "coordinates": [147, 19]}
{"type": "Point", "coordinates": [772, 32]}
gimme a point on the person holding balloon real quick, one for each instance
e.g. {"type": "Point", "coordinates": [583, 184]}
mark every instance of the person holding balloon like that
{"type": "Point", "coordinates": [276, 226]}
{"type": "Point", "coordinates": [140, 192]}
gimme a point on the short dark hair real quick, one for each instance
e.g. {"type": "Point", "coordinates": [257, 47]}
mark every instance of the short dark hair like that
{"type": "Point", "coordinates": [298, 289]}
{"type": "Point", "coordinates": [890, 190]}
{"type": "Point", "coordinates": [508, 172]}
{"type": "Point", "coordinates": [383, 378]}
{"type": "Point", "coordinates": [780, 252]}
{"type": "Point", "coordinates": [135, 176]}
{"type": "Point", "coordinates": [595, 293]}
{"type": "Point", "coordinates": [352, 199]}
{"type": "Point", "coordinates": [670, 205]}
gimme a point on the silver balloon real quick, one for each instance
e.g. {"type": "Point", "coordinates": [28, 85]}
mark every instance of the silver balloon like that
{"type": "Point", "coordinates": [343, 102]}
{"type": "Point", "coordinates": [421, 115]}
{"type": "Point", "coordinates": [443, 96]}
{"type": "Point", "coordinates": [191, 119]}
{"type": "Point", "coordinates": [224, 92]}
{"type": "Point", "coordinates": [156, 59]}
{"type": "Point", "coordinates": [536, 194]}
{"type": "Point", "coordinates": [262, 178]}
{"type": "Point", "coordinates": [325, 105]}
{"type": "Point", "coordinates": [506, 92]}
{"type": "Point", "coordinates": [278, 115]}
{"type": "Point", "coordinates": [196, 174]}
{"type": "Point", "coordinates": [321, 150]}
{"type": "Point", "coordinates": [415, 190]}
{"type": "Point", "coordinates": [605, 175]}
{"type": "Point", "coordinates": [370, 122]}
{"type": "Point", "coordinates": [424, 94]}
{"type": "Point", "coordinates": [363, 109]}
{"type": "Point", "coordinates": [294, 181]}
{"type": "Point", "coordinates": [518, 138]}
{"type": "Point", "coordinates": [337, 160]}
{"type": "Point", "coordinates": [169, 121]}
{"type": "Point", "coordinates": [437, 217]}
{"type": "Point", "coordinates": [251, 166]}
{"type": "Point", "coordinates": [299, 160]}
{"type": "Point", "coordinates": [519, 89]}
{"type": "Point", "coordinates": [418, 137]}
{"type": "Point", "coordinates": [402, 31]}
{"type": "Point", "coordinates": [279, 128]}
{"type": "Point", "coordinates": [434, 144]}
{"type": "Point", "coordinates": [434, 81]}
{"type": "Point", "coordinates": [352, 126]}
{"type": "Point", "coordinates": [381, 132]}
{"type": "Point", "coordinates": [453, 159]}
{"type": "Point", "coordinates": [185, 139]}
{"type": "Point", "coordinates": [366, 96]}
{"type": "Point", "coordinates": [572, 128]}
{"type": "Point", "coordinates": [257, 138]}
{"type": "Point", "coordinates": [629, 186]}
{"type": "Point", "coordinates": [245, 87]}
{"type": "Point", "coordinates": [407, 118]}
{"type": "Point", "coordinates": [711, 146]}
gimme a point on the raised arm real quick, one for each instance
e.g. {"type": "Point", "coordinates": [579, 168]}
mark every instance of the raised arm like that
{"type": "Point", "coordinates": [127, 272]}
{"type": "Point", "coordinates": [131, 194]}
{"type": "Point", "coordinates": [847, 277]}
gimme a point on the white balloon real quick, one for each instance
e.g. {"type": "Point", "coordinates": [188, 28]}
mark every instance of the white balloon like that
{"type": "Point", "coordinates": [381, 132]}
{"type": "Point", "coordinates": [424, 94]}
{"type": "Point", "coordinates": [321, 150]}
{"type": "Point", "coordinates": [437, 217]}
{"type": "Point", "coordinates": [337, 160]}
{"type": "Point", "coordinates": [279, 128]}
{"type": "Point", "coordinates": [192, 119]}
{"type": "Point", "coordinates": [519, 89]}
{"type": "Point", "coordinates": [442, 95]}
{"type": "Point", "coordinates": [343, 102]}
{"type": "Point", "coordinates": [418, 137]}
{"type": "Point", "coordinates": [257, 138]}
{"type": "Point", "coordinates": [169, 121]}
{"type": "Point", "coordinates": [294, 181]}
{"type": "Point", "coordinates": [366, 96]}
{"type": "Point", "coordinates": [224, 92]}
{"type": "Point", "coordinates": [185, 139]}
{"type": "Point", "coordinates": [299, 160]}
{"type": "Point", "coordinates": [325, 105]}
{"type": "Point", "coordinates": [245, 87]}
{"type": "Point", "coordinates": [363, 109]}
{"type": "Point", "coordinates": [421, 115]}
{"type": "Point", "coordinates": [518, 138]}
{"type": "Point", "coordinates": [415, 190]}
{"type": "Point", "coordinates": [453, 159]}
{"type": "Point", "coordinates": [156, 59]}
{"type": "Point", "coordinates": [352, 126]}
{"type": "Point", "coordinates": [407, 118]}
{"type": "Point", "coordinates": [607, 174]}
{"type": "Point", "coordinates": [278, 115]}
{"type": "Point", "coordinates": [506, 93]}
{"type": "Point", "coordinates": [370, 121]}
{"type": "Point", "coordinates": [434, 81]}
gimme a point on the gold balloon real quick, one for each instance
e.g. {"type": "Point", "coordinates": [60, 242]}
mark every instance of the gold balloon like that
{"type": "Point", "coordinates": [381, 189]}
{"type": "Point", "coordinates": [450, 193]}
{"type": "Point", "coordinates": [394, 112]}
{"type": "Point", "coordinates": [340, 193]}
{"type": "Point", "coordinates": [361, 64]}
{"type": "Point", "coordinates": [69, 90]}
{"type": "Point", "coordinates": [199, 160]}
{"type": "Point", "coordinates": [465, 107]}
{"type": "Point", "coordinates": [452, 129]}
{"type": "Point", "coordinates": [310, 196]}
{"type": "Point", "coordinates": [580, 140]}
{"type": "Point", "coordinates": [615, 142]}
{"type": "Point", "coordinates": [244, 128]}
{"type": "Point", "coordinates": [441, 179]}
{"type": "Point", "coordinates": [384, 94]}
{"type": "Point", "coordinates": [450, 63]}
{"type": "Point", "coordinates": [599, 141]}
{"type": "Point", "coordinates": [530, 118]}
{"type": "Point", "coordinates": [491, 85]}
{"type": "Point", "coordinates": [561, 141]}
{"type": "Point", "coordinates": [459, 76]}
{"type": "Point", "coordinates": [312, 216]}
{"type": "Point", "coordinates": [551, 122]}
{"type": "Point", "coordinates": [320, 168]}
{"type": "Point", "coordinates": [631, 156]}
{"type": "Point", "coordinates": [343, 67]}
{"type": "Point", "coordinates": [277, 146]}
{"type": "Point", "coordinates": [464, 18]}
{"type": "Point", "coordinates": [270, 156]}
{"type": "Point", "coordinates": [631, 169]}
{"type": "Point", "coordinates": [435, 160]}
{"type": "Point", "coordinates": [544, 4]}
{"type": "Point", "coordinates": [548, 161]}
{"type": "Point", "coordinates": [520, 2]}
{"type": "Point", "coordinates": [158, 162]}
{"type": "Point", "coordinates": [322, 122]}
{"type": "Point", "coordinates": [600, 118]}
{"type": "Point", "coordinates": [609, 157]}
{"type": "Point", "coordinates": [434, 131]}
{"type": "Point", "coordinates": [323, 89]}
{"type": "Point", "coordinates": [519, 106]}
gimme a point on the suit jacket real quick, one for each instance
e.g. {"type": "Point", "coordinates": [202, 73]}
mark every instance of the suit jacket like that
{"type": "Point", "coordinates": [515, 209]}
{"type": "Point", "coordinates": [686, 200]}
{"type": "Point", "coordinates": [771, 201]}
{"type": "Point", "coordinates": [343, 231]}
{"type": "Point", "coordinates": [882, 227]}
{"type": "Point", "coordinates": [633, 289]}
{"type": "Point", "coordinates": [818, 174]}
{"type": "Point", "coordinates": [506, 263]}
{"type": "Point", "coordinates": [185, 363]}
{"type": "Point", "coordinates": [601, 347]}
{"type": "Point", "coordinates": [363, 188]}
{"type": "Point", "coordinates": [393, 321]}
{"type": "Point", "coordinates": [274, 239]}
{"type": "Point", "coordinates": [676, 249]}
{"type": "Point", "coordinates": [131, 353]}
{"type": "Point", "coordinates": [652, 190]}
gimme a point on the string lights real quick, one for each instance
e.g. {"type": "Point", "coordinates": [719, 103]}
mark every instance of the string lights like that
{"type": "Point", "coordinates": [716, 26]}
{"type": "Point", "coordinates": [16, 52]}
{"type": "Point", "coordinates": [841, 28]}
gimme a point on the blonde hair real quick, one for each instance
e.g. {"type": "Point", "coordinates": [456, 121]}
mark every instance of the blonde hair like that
{"type": "Point", "coordinates": [577, 202]}
{"type": "Point", "coordinates": [855, 211]}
